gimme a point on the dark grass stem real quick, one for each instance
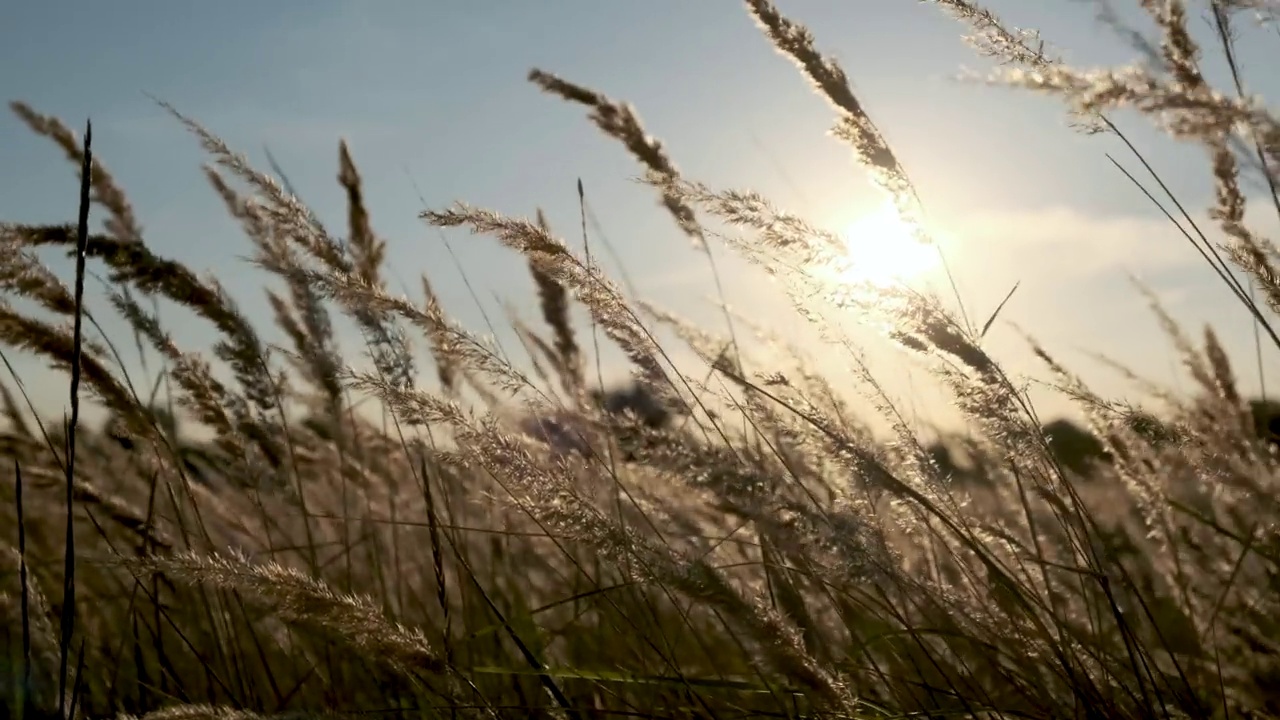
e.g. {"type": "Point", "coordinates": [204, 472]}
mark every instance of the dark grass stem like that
{"type": "Point", "coordinates": [26, 590]}
{"type": "Point", "coordinates": [69, 576]}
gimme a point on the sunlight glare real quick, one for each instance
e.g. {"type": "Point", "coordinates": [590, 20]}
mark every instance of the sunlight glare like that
{"type": "Point", "coordinates": [883, 250]}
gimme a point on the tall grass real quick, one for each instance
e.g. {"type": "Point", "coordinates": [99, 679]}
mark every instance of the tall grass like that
{"type": "Point", "coordinates": [728, 543]}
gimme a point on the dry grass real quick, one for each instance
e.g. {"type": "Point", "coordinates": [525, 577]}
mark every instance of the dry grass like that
{"type": "Point", "coordinates": [743, 548]}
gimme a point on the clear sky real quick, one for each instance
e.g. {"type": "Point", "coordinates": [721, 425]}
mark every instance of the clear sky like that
{"type": "Point", "coordinates": [434, 93]}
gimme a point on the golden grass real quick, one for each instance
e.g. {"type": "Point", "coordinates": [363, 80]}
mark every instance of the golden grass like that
{"type": "Point", "coordinates": [756, 554]}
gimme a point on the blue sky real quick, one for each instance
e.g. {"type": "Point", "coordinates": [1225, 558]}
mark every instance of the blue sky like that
{"type": "Point", "coordinates": [434, 94]}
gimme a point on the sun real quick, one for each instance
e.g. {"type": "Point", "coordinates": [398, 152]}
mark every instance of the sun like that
{"type": "Point", "coordinates": [883, 250]}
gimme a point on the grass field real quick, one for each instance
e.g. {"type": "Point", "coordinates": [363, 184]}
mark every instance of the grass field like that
{"type": "Point", "coordinates": [424, 527]}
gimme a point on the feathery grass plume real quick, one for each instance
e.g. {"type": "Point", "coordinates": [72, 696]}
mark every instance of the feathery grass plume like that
{"type": "Point", "coordinates": [994, 39]}
{"type": "Point", "coordinates": [462, 351]}
{"type": "Point", "coordinates": [1186, 113]}
{"type": "Point", "coordinates": [605, 302]}
{"type": "Point", "coordinates": [23, 274]}
{"type": "Point", "coordinates": [1007, 45]}
{"type": "Point", "coordinates": [786, 247]}
{"type": "Point", "coordinates": [57, 345]}
{"type": "Point", "coordinates": [132, 262]}
{"type": "Point", "coordinates": [444, 346]}
{"type": "Point", "coordinates": [289, 218]}
{"type": "Point", "coordinates": [304, 601]}
{"type": "Point", "coordinates": [367, 253]}
{"type": "Point", "coordinates": [806, 243]}
{"type": "Point", "coordinates": [619, 121]}
{"type": "Point", "coordinates": [121, 222]}
{"type": "Point", "coordinates": [303, 317]}
{"type": "Point", "coordinates": [240, 347]}
{"type": "Point", "coordinates": [854, 125]}
{"type": "Point", "coordinates": [1223, 16]}
{"type": "Point", "coordinates": [148, 326]}
{"type": "Point", "coordinates": [1254, 254]}
{"type": "Point", "coordinates": [311, 357]}
{"type": "Point", "coordinates": [923, 325]}
{"type": "Point", "coordinates": [366, 250]}
{"type": "Point", "coordinates": [412, 406]}
{"type": "Point", "coordinates": [292, 217]}
{"type": "Point", "coordinates": [555, 312]}
{"type": "Point", "coordinates": [251, 447]}
{"type": "Point", "coordinates": [1224, 380]}
{"type": "Point", "coordinates": [790, 249]}
{"type": "Point", "coordinates": [1180, 52]}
